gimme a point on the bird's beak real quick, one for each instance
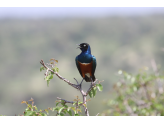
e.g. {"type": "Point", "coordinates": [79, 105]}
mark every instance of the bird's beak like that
{"type": "Point", "coordinates": [78, 46]}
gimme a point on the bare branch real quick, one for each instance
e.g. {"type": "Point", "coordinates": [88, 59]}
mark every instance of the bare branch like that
{"type": "Point", "coordinates": [76, 81]}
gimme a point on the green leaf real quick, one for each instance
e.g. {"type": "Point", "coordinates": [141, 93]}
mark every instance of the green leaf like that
{"type": "Point", "coordinates": [68, 108]}
{"type": "Point", "coordinates": [74, 103]}
{"type": "Point", "coordinates": [55, 108]}
{"type": "Point", "coordinates": [41, 68]}
{"type": "Point", "coordinates": [94, 91]}
{"type": "Point", "coordinates": [65, 106]}
{"type": "Point", "coordinates": [57, 103]}
{"type": "Point", "coordinates": [43, 114]}
{"type": "Point", "coordinates": [63, 102]}
{"type": "Point", "coordinates": [91, 94]}
{"type": "Point", "coordinates": [60, 109]}
{"type": "Point", "coordinates": [54, 69]}
{"type": "Point", "coordinates": [65, 111]}
{"type": "Point", "coordinates": [57, 69]}
{"type": "Point", "coordinates": [80, 103]}
{"type": "Point", "coordinates": [61, 114]}
{"type": "Point", "coordinates": [69, 112]}
{"type": "Point", "coordinates": [48, 77]}
{"type": "Point", "coordinates": [73, 108]}
{"type": "Point", "coordinates": [29, 113]}
{"type": "Point", "coordinates": [51, 76]}
{"type": "Point", "coordinates": [48, 81]}
{"type": "Point", "coordinates": [100, 87]}
{"type": "Point", "coordinates": [76, 115]}
{"type": "Point", "coordinates": [29, 105]}
{"type": "Point", "coordinates": [27, 109]}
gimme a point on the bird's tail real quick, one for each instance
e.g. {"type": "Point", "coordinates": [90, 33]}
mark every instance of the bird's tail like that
{"type": "Point", "coordinates": [90, 79]}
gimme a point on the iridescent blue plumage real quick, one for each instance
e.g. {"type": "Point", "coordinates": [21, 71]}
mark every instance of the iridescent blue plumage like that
{"type": "Point", "coordinates": [86, 63]}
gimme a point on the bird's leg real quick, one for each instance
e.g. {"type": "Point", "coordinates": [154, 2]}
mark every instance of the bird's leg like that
{"type": "Point", "coordinates": [81, 82]}
{"type": "Point", "coordinates": [91, 81]}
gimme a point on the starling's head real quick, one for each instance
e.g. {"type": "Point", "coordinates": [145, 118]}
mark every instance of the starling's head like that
{"type": "Point", "coordinates": [83, 46]}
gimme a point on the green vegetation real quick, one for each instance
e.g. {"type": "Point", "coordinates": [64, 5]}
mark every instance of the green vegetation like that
{"type": "Point", "coordinates": [126, 43]}
{"type": "Point", "coordinates": [140, 94]}
{"type": "Point", "coordinates": [64, 109]}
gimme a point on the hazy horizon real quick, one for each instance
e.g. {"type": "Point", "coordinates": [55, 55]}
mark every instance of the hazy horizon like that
{"type": "Point", "coordinates": [43, 12]}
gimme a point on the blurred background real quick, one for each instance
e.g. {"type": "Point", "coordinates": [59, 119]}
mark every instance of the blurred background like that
{"type": "Point", "coordinates": [120, 39]}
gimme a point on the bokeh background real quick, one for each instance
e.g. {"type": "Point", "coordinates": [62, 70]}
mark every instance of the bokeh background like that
{"type": "Point", "coordinates": [120, 38]}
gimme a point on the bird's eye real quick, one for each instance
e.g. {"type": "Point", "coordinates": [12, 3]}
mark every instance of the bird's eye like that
{"type": "Point", "coordinates": [84, 45]}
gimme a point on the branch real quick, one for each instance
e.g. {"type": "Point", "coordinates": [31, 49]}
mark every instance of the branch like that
{"type": "Point", "coordinates": [84, 94]}
{"type": "Point", "coordinates": [65, 101]}
{"type": "Point", "coordinates": [60, 77]}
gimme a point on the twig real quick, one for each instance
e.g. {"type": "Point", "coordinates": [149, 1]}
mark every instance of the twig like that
{"type": "Point", "coordinates": [97, 114]}
{"type": "Point", "coordinates": [65, 101]}
{"type": "Point", "coordinates": [76, 81]}
{"type": "Point", "coordinates": [60, 77]}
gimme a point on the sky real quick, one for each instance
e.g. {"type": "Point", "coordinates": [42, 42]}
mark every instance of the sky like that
{"type": "Point", "coordinates": [38, 12]}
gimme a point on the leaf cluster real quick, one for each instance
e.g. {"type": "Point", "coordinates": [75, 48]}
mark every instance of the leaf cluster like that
{"type": "Point", "coordinates": [64, 109]}
{"type": "Point", "coordinates": [93, 91]}
{"type": "Point", "coordinates": [49, 75]}
{"type": "Point", "coordinates": [32, 110]}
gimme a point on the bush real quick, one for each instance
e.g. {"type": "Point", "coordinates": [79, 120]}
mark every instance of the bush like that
{"type": "Point", "coordinates": [140, 94]}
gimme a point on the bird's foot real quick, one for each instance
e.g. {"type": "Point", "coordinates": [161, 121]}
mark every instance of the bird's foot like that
{"type": "Point", "coordinates": [92, 84]}
{"type": "Point", "coordinates": [80, 83]}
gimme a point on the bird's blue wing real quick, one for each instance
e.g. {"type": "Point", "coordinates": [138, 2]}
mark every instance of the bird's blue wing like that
{"type": "Point", "coordinates": [77, 64]}
{"type": "Point", "coordinates": [93, 64]}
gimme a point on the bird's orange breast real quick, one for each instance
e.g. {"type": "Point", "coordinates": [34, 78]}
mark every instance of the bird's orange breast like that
{"type": "Point", "coordinates": [85, 68]}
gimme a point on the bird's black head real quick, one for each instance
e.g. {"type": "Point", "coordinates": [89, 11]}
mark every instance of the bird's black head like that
{"type": "Point", "coordinates": [83, 46]}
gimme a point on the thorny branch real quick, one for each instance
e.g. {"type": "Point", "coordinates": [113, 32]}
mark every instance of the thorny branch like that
{"type": "Point", "coordinates": [78, 87]}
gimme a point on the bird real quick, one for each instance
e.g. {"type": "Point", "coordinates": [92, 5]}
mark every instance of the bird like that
{"type": "Point", "coordinates": [86, 63]}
